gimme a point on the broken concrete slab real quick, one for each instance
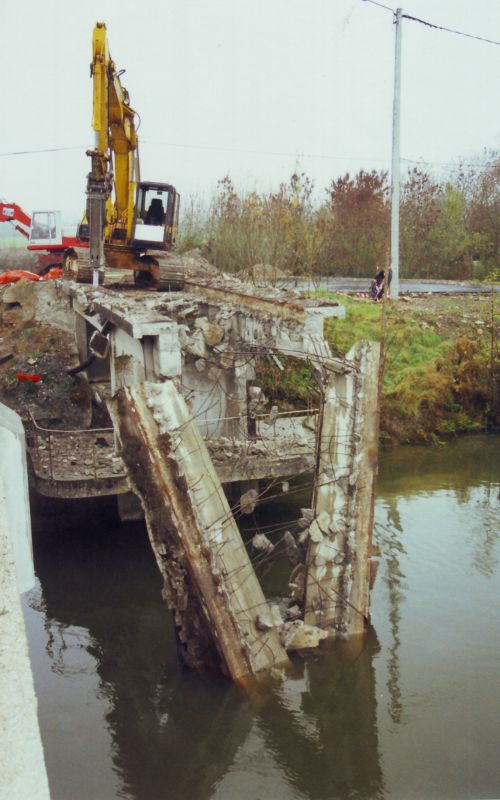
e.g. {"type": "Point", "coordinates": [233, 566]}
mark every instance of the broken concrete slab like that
{"type": "Point", "coordinates": [209, 581]}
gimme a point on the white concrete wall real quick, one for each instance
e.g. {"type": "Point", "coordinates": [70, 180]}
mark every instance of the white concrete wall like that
{"type": "Point", "coordinates": [206, 398]}
{"type": "Point", "coordinates": [22, 767]}
{"type": "Point", "coordinates": [15, 498]}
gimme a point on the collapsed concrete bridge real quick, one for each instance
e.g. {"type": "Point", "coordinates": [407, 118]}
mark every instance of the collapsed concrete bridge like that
{"type": "Point", "coordinates": [177, 371]}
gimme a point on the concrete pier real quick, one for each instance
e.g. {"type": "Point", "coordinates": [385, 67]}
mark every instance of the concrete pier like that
{"type": "Point", "coordinates": [337, 589]}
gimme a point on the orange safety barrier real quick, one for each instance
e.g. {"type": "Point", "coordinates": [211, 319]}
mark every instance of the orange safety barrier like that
{"type": "Point", "coordinates": [14, 275]}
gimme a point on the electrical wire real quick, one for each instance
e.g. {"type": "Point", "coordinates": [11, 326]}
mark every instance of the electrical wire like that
{"type": "Point", "coordinates": [43, 150]}
{"type": "Point", "coordinates": [449, 30]}
{"type": "Point", "coordinates": [323, 156]}
{"type": "Point", "coordinates": [279, 153]}
{"type": "Point", "coordinates": [381, 5]}
{"type": "Point", "coordinates": [432, 24]}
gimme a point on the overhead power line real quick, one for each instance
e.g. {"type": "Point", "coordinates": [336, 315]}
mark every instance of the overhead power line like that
{"type": "Point", "coordinates": [432, 24]}
{"type": "Point", "coordinates": [322, 156]}
{"type": "Point", "coordinates": [450, 30]}
{"type": "Point", "coordinates": [380, 5]}
{"type": "Point", "coordinates": [44, 150]}
{"type": "Point", "coordinates": [280, 153]}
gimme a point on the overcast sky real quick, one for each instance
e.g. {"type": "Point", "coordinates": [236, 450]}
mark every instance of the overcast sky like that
{"type": "Point", "coordinates": [249, 88]}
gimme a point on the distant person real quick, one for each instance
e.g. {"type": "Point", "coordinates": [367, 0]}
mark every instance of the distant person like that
{"type": "Point", "coordinates": [379, 283]}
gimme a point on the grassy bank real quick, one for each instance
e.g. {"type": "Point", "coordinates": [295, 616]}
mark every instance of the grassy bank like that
{"type": "Point", "coordinates": [441, 364]}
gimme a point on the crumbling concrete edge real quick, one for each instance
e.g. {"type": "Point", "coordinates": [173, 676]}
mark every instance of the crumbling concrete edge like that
{"type": "Point", "coordinates": [338, 564]}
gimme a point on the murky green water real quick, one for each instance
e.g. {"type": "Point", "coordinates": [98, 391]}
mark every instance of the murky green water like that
{"type": "Point", "coordinates": [412, 711]}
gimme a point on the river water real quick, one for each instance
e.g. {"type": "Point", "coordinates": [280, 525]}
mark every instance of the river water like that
{"type": "Point", "coordinates": [410, 711]}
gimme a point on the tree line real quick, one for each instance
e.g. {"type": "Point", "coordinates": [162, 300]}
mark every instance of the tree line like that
{"type": "Point", "coordinates": [449, 228]}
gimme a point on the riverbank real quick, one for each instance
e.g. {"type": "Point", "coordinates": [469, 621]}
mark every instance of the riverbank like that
{"type": "Point", "coordinates": [441, 366]}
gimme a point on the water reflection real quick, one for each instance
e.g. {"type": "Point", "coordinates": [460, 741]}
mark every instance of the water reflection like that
{"type": "Point", "coordinates": [469, 468]}
{"type": "Point", "coordinates": [323, 732]}
{"type": "Point", "coordinates": [169, 729]}
{"type": "Point", "coordinates": [389, 539]}
{"type": "Point", "coordinates": [486, 535]}
{"type": "Point", "coordinates": [176, 730]}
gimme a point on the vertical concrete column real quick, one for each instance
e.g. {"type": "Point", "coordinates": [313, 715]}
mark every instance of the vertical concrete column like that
{"type": "Point", "coordinates": [338, 561]}
{"type": "Point", "coordinates": [237, 401]}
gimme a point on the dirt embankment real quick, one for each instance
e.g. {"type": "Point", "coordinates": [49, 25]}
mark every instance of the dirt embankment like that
{"type": "Point", "coordinates": [442, 372]}
{"type": "Point", "coordinates": [34, 360]}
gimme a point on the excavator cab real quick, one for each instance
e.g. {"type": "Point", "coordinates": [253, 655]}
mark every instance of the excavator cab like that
{"type": "Point", "coordinates": [46, 230]}
{"type": "Point", "coordinates": [156, 216]}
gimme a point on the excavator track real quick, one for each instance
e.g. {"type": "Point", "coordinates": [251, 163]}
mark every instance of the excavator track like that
{"type": "Point", "coordinates": [172, 273]}
{"type": "Point", "coordinates": [77, 266]}
{"type": "Point", "coordinates": [163, 272]}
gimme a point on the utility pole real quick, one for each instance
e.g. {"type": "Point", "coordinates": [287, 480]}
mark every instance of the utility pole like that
{"type": "Point", "coordinates": [395, 173]}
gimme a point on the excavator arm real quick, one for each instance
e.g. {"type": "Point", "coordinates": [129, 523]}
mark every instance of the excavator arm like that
{"type": "Point", "coordinates": [115, 162]}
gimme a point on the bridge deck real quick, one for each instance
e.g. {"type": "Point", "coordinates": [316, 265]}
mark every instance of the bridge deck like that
{"type": "Point", "coordinates": [85, 463]}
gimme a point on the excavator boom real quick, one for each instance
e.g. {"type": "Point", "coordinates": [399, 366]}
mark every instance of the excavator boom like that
{"type": "Point", "coordinates": [125, 217]}
{"type": "Point", "coordinates": [11, 212]}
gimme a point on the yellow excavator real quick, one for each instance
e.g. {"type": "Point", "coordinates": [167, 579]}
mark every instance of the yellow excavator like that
{"type": "Point", "coordinates": [125, 218]}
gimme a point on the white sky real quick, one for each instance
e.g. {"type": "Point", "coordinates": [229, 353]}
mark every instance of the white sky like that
{"type": "Point", "coordinates": [249, 88]}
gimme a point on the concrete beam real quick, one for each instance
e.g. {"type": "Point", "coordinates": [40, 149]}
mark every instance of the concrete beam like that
{"type": "Point", "coordinates": [209, 581]}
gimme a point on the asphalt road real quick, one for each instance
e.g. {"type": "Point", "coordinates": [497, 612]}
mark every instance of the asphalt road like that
{"type": "Point", "coordinates": [405, 285]}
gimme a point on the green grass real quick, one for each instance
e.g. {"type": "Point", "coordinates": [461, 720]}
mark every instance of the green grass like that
{"type": "Point", "coordinates": [438, 377]}
{"type": "Point", "coordinates": [410, 342]}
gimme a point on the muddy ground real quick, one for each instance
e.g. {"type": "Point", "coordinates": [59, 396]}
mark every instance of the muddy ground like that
{"type": "Point", "coordinates": [34, 349]}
